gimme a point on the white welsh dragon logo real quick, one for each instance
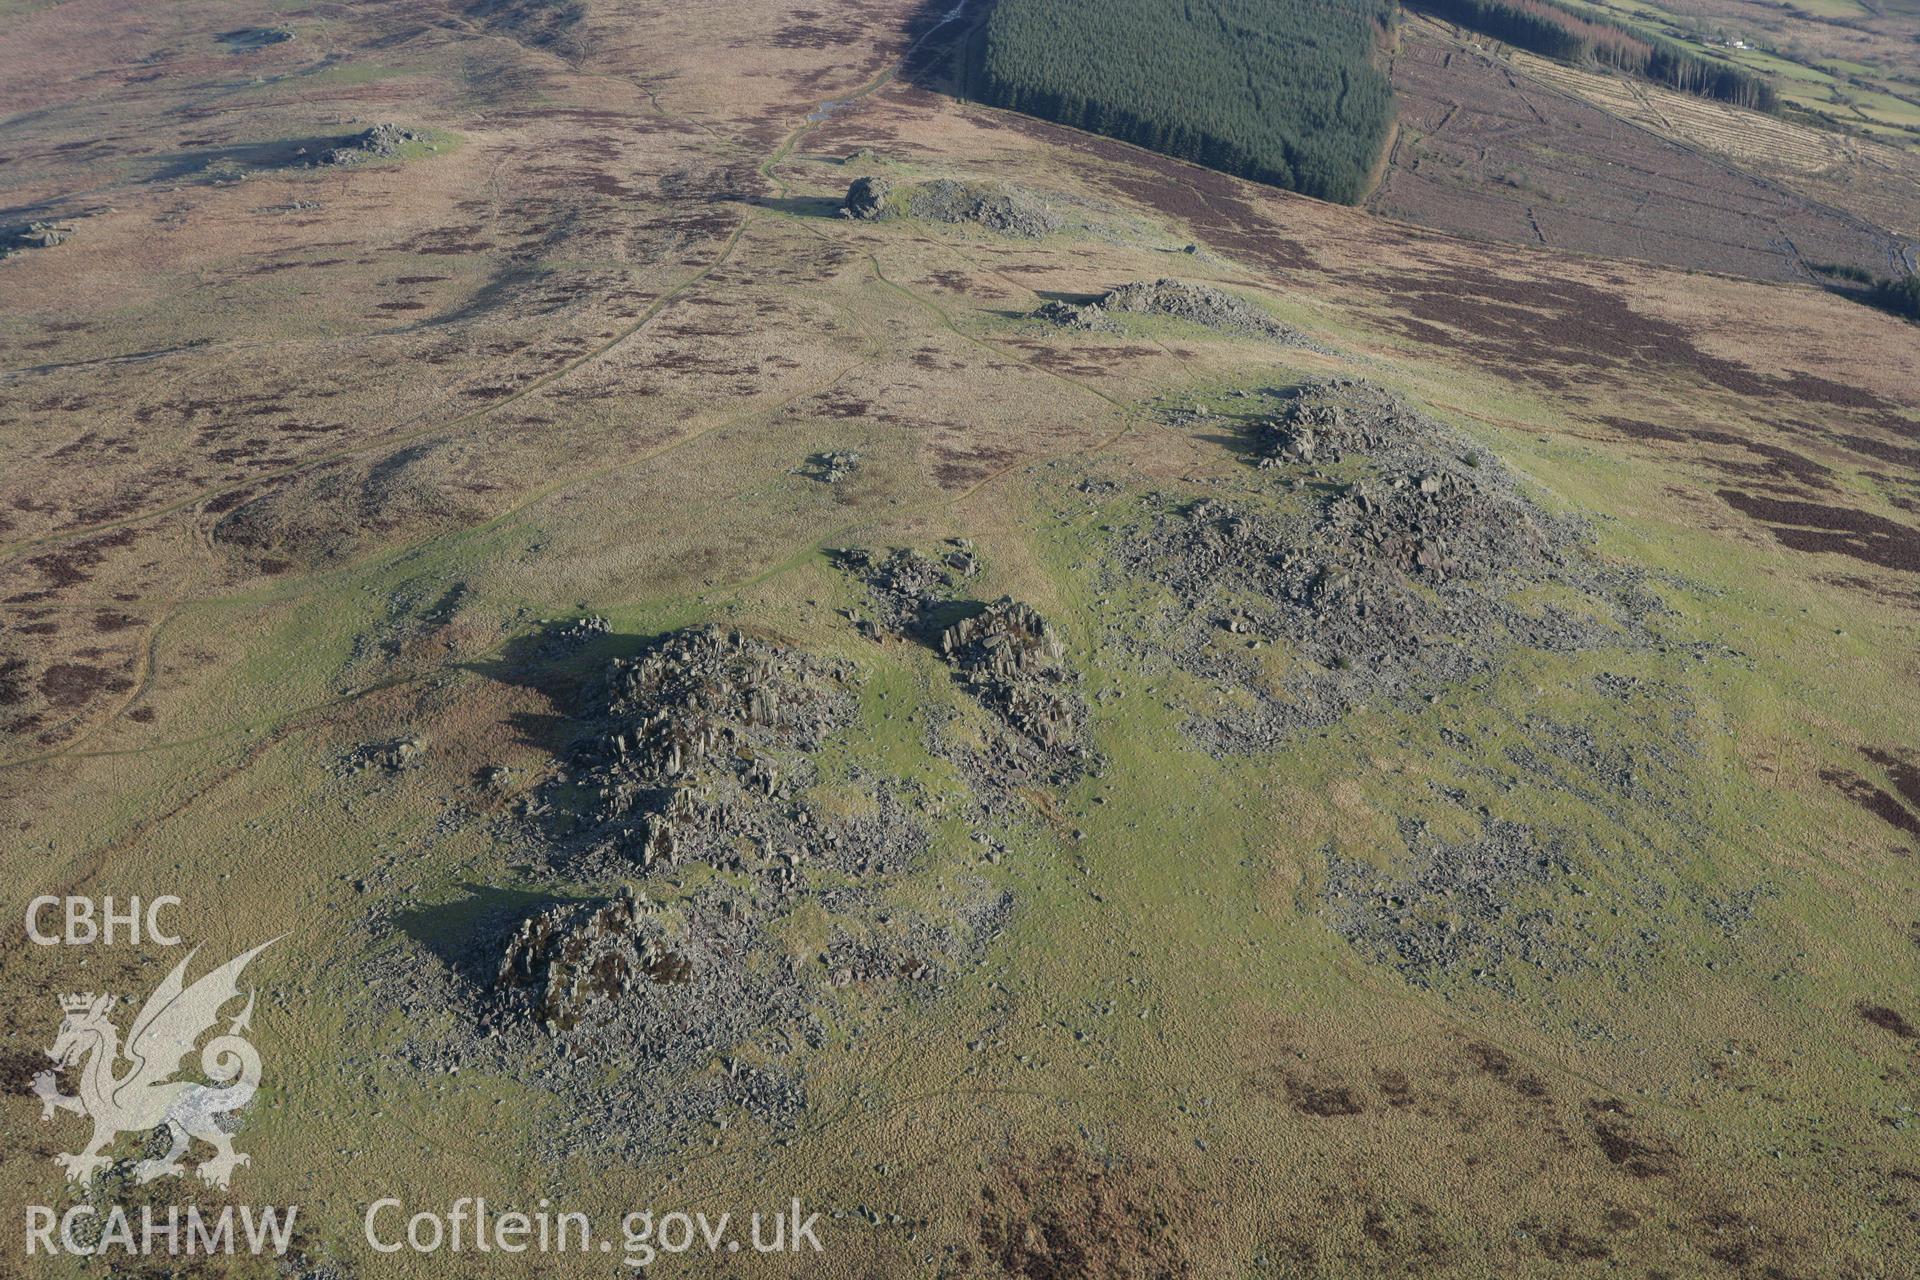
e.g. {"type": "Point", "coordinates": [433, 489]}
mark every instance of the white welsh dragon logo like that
{"type": "Point", "coordinates": [145, 1095]}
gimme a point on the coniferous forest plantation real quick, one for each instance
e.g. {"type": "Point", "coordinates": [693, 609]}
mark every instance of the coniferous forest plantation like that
{"type": "Point", "coordinates": [1286, 92]}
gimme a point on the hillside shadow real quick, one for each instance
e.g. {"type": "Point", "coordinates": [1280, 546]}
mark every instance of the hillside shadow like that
{"type": "Point", "coordinates": [942, 37]}
{"type": "Point", "coordinates": [247, 39]}
{"type": "Point", "coordinates": [468, 933]}
{"type": "Point", "coordinates": [1238, 430]}
{"type": "Point", "coordinates": [566, 664]}
{"type": "Point", "coordinates": [284, 153]}
{"type": "Point", "coordinates": [39, 211]}
{"type": "Point", "coordinates": [798, 206]}
{"type": "Point", "coordinates": [562, 670]}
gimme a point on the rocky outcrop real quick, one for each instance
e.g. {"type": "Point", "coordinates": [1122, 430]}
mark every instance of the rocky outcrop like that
{"type": "Point", "coordinates": [1389, 555]}
{"type": "Point", "coordinates": [909, 589]}
{"type": "Point", "coordinates": [1007, 657]}
{"type": "Point", "coordinates": [696, 784]}
{"type": "Point", "coordinates": [575, 956]}
{"type": "Point", "coordinates": [1004, 210]}
{"type": "Point", "coordinates": [380, 142]}
{"type": "Point", "coordinates": [1013, 662]}
{"type": "Point", "coordinates": [33, 235]}
{"type": "Point", "coordinates": [1198, 304]}
{"type": "Point", "coordinates": [701, 698]}
{"type": "Point", "coordinates": [1088, 317]}
{"type": "Point", "coordinates": [703, 743]}
{"type": "Point", "coordinates": [867, 199]}
{"type": "Point", "coordinates": [832, 468]}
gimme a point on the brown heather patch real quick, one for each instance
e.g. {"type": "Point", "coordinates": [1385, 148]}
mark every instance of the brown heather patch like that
{"type": "Point", "coordinates": [1817, 527]}
{"type": "Point", "coordinates": [1902, 770]}
{"type": "Point", "coordinates": [1887, 1020]}
{"type": "Point", "coordinates": [1872, 799]}
{"type": "Point", "coordinates": [1612, 1129]}
{"type": "Point", "coordinates": [1066, 1216]}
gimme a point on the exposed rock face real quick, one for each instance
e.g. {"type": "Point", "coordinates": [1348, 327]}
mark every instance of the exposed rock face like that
{"type": "Point", "coordinates": [33, 235]}
{"type": "Point", "coordinates": [1011, 660]}
{"type": "Point", "coordinates": [378, 142]}
{"type": "Point", "coordinates": [1004, 653]}
{"type": "Point", "coordinates": [867, 198]}
{"type": "Point", "coordinates": [1427, 502]}
{"type": "Point", "coordinates": [575, 955]}
{"type": "Point", "coordinates": [706, 694]}
{"type": "Point", "coordinates": [1005, 210]}
{"type": "Point", "coordinates": [1008, 641]}
{"type": "Point", "coordinates": [1087, 318]}
{"type": "Point", "coordinates": [1397, 571]}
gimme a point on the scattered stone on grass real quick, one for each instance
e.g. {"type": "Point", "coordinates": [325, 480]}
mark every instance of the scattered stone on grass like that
{"type": "Point", "coordinates": [909, 590]}
{"type": "Point", "coordinates": [1004, 653]}
{"type": "Point", "coordinates": [668, 984]}
{"type": "Point", "coordinates": [561, 638]}
{"type": "Point", "coordinates": [1454, 910]}
{"type": "Point", "coordinates": [395, 756]}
